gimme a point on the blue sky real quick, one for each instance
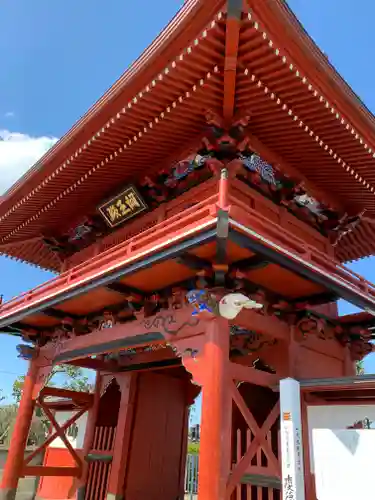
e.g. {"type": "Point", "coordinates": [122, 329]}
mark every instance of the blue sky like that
{"type": "Point", "coordinates": [58, 57]}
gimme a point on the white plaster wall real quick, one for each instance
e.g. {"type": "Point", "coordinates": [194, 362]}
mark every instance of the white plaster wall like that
{"type": "Point", "coordinates": [335, 418]}
{"type": "Point", "coordinates": [344, 464]}
{"type": "Point", "coordinates": [61, 418]}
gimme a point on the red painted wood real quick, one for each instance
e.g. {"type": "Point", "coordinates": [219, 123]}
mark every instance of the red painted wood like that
{"type": "Point", "coordinates": [88, 443]}
{"type": "Point", "coordinates": [259, 402]}
{"type": "Point", "coordinates": [246, 208]}
{"type": "Point", "coordinates": [14, 464]}
{"type": "Point", "coordinates": [154, 464]}
{"type": "Point", "coordinates": [121, 446]}
{"type": "Point", "coordinates": [176, 228]}
{"type": "Point", "coordinates": [271, 123]}
{"type": "Point", "coordinates": [60, 488]}
{"type": "Point", "coordinates": [98, 472]}
{"type": "Point", "coordinates": [214, 460]}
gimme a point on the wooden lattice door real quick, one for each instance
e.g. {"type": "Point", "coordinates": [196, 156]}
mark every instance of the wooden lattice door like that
{"type": "Point", "coordinates": [256, 470]}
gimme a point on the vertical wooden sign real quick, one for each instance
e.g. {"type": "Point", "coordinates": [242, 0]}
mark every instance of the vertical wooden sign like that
{"type": "Point", "coordinates": [292, 470]}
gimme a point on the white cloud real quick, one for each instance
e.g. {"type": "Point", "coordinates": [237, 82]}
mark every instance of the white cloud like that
{"type": "Point", "coordinates": [19, 152]}
{"type": "Point", "coordinates": [9, 114]}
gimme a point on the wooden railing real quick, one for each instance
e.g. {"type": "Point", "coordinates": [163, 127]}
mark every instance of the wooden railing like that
{"type": "Point", "coordinates": [147, 222]}
{"type": "Point", "coordinates": [246, 197]}
{"type": "Point", "coordinates": [287, 240]}
{"type": "Point", "coordinates": [192, 212]}
{"type": "Point", "coordinates": [161, 236]}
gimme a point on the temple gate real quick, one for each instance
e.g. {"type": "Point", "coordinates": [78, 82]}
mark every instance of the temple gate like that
{"type": "Point", "coordinates": [199, 238]}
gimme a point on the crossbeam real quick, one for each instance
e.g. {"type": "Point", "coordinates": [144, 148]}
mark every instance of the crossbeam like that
{"type": "Point", "coordinates": [248, 374]}
{"type": "Point", "coordinates": [59, 432]}
{"type": "Point", "coordinates": [164, 326]}
{"type": "Point", "coordinates": [77, 397]}
{"type": "Point", "coordinates": [50, 471]}
{"type": "Point", "coordinates": [269, 326]}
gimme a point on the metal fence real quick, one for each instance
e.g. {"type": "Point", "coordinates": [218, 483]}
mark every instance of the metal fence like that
{"type": "Point", "coordinates": [191, 477]}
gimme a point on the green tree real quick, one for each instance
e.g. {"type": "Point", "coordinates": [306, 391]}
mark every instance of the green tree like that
{"type": "Point", "coordinates": [359, 367]}
{"type": "Point", "coordinates": [8, 413]}
{"type": "Point", "coordinates": [75, 379]}
{"type": "Point", "coordinates": [192, 411]}
{"type": "Point", "coordinates": [7, 416]}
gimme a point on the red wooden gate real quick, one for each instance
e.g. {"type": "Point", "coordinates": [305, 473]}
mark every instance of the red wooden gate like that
{"type": "Point", "coordinates": [256, 468]}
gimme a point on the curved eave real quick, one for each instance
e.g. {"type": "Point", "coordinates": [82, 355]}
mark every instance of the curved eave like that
{"type": "Point", "coordinates": [190, 20]}
{"type": "Point", "coordinates": [304, 50]}
{"type": "Point", "coordinates": [35, 252]}
{"type": "Point", "coordinates": [51, 194]}
{"type": "Point", "coordinates": [163, 119]}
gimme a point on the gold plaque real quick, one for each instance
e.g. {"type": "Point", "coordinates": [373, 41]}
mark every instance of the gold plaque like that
{"type": "Point", "coordinates": [122, 207]}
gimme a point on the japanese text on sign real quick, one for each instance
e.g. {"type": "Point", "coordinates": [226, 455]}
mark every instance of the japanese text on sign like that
{"type": "Point", "coordinates": [289, 492]}
{"type": "Point", "coordinates": [122, 207]}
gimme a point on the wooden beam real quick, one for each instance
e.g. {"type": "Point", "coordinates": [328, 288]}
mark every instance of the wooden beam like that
{"type": "Point", "coordinates": [16, 328]}
{"type": "Point", "coordinates": [50, 471]}
{"type": "Point", "coordinates": [232, 35]}
{"type": "Point", "coordinates": [252, 263]}
{"type": "Point", "coordinates": [125, 290]}
{"type": "Point", "coordinates": [144, 358]}
{"type": "Point", "coordinates": [269, 326]}
{"type": "Point", "coordinates": [242, 373]}
{"type": "Point", "coordinates": [164, 326]}
{"type": "Point", "coordinates": [76, 396]}
{"type": "Point", "coordinates": [316, 299]}
{"type": "Point", "coordinates": [96, 364]}
{"type": "Point", "coordinates": [194, 262]}
{"type": "Point", "coordinates": [96, 273]}
{"type": "Point", "coordinates": [58, 314]}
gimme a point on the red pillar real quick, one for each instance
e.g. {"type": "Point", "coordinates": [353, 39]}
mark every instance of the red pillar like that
{"type": "Point", "coordinates": [215, 445]}
{"type": "Point", "coordinates": [223, 190]}
{"type": "Point", "coordinates": [116, 483]}
{"type": "Point", "coordinates": [14, 464]}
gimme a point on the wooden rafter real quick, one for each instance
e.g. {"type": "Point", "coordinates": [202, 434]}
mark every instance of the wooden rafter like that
{"type": "Point", "coordinates": [263, 27]}
{"type": "Point", "coordinates": [16, 244]}
{"type": "Point", "coordinates": [329, 198]}
{"type": "Point", "coordinates": [232, 34]}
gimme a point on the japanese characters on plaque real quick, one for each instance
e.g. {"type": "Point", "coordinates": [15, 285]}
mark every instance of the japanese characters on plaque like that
{"type": "Point", "coordinates": [122, 207]}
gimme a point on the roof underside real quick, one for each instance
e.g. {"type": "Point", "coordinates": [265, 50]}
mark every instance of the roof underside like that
{"type": "Point", "coordinates": [303, 118]}
{"type": "Point", "coordinates": [154, 274]}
